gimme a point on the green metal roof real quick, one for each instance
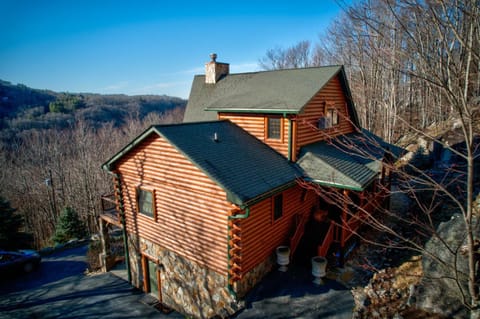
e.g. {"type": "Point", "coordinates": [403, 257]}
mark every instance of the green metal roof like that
{"type": "Point", "coordinates": [239, 163]}
{"type": "Point", "coordinates": [351, 161]}
{"type": "Point", "coordinates": [280, 91]}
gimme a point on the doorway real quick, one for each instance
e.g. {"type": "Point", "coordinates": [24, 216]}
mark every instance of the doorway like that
{"type": "Point", "coordinates": [153, 278]}
{"type": "Point", "coordinates": [151, 273]}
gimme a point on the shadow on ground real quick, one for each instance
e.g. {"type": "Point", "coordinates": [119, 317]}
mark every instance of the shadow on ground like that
{"type": "Point", "coordinates": [292, 294]}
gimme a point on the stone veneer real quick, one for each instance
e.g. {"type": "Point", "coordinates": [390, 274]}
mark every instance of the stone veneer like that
{"type": "Point", "coordinates": [190, 288]}
{"type": "Point", "coordinates": [185, 285]}
{"type": "Point", "coordinates": [254, 276]}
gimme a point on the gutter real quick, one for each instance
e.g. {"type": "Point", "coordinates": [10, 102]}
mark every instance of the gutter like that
{"type": "Point", "coordinates": [267, 111]}
{"type": "Point", "coordinates": [290, 138]}
{"type": "Point", "coordinates": [233, 217]}
{"type": "Point", "coordinates": [269, 194]}
{"type": "Point", "coordinates": [338, 185]}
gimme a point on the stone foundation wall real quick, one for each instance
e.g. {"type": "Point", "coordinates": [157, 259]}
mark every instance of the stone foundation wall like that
{"type": "Point", "coordinates": [185, 286]}
{"type": "Point", "coordinates": [254, 276]}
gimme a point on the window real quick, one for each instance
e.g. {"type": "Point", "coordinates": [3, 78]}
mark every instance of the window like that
{"type": "Point", "coordinates": [277, 207]}
{"type": "Point", "coordinates": [274, 127]}
{"type": "Point", "coordinates": [145, 202]}
{"type": "Point", "coordinates": [329, 120]}
{"type": "Point", "coordinates": [332, 116]}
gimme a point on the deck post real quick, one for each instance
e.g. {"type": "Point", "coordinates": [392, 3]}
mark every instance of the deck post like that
{"type": "Point", "coordinates": [105, 241]}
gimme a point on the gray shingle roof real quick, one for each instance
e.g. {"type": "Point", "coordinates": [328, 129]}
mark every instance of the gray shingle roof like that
{"type": "Point", "coordinates": [238, 162]}
{"type": "Point", "coordinates": [279, 91]}
{"type": "Point", "coordinates": [351, 161]}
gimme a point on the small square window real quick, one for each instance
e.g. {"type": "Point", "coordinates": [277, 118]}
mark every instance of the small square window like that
{"type": "Point", "coordinates": [274, 127]}
{"type": "Point", "coordinates": [329, 120]}
{"type": "Point", "coordinates": [332, 115]}
{"type": "Point", "coordinates": [277, 207]}
{"type": "Point", "coordinates": [145, 202]}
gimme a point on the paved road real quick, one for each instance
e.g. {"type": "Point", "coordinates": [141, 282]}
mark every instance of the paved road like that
{"type": "Point", "coordinates": [59, 289]}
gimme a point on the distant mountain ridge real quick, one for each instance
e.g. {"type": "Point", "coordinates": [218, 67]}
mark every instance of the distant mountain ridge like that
{"type": "Point", "coordinates": [23, 108]}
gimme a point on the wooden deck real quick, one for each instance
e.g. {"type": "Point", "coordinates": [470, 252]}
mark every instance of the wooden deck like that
{"type": "Point", "coordinates": [110, 214]}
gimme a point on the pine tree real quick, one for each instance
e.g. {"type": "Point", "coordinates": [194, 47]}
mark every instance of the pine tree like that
{"type": "Point", "coordinates": [69, 226]}
{"type": "Point", "coordinates": [11, 236]}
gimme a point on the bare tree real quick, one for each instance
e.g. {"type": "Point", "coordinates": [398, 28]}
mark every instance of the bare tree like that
{"type": "Point", "coordinates": [47, 170]}
{"type": "Point", "coordinates": [412, 65]}
{"type": "Point", "coordinates": [418, 62]}
{"type": "Point", "coordinates": [299, 55]}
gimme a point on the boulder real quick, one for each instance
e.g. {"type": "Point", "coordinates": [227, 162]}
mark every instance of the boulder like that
{"type": "Point", "coordinates": [437, 293]}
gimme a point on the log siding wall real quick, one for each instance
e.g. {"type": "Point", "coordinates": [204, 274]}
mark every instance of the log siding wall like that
{"type": "Point", "coordinates": [190, 209]}
{"type": "Point", "coordinates": [261, 234]}
{"type": "Point", "coordinates": [255, 124]}
{"type": "Point", "coordinates": [307, 131]}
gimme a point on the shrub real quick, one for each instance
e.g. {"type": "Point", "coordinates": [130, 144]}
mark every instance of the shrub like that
{"type": "Point", "coordinates": [69, 226]}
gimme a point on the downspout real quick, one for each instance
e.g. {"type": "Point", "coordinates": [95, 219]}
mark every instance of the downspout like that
{"type": "Point", "coordinates": [290, 138]}
{"type": "Point", "coordinates": [230, 217]}
{"type": "Point", "coordinates": [124, 224]}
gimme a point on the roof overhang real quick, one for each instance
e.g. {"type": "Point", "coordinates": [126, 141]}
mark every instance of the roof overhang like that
{"type": "Point", "coordinates": [108, 165]}
{"type": "Point", "coordinates": [244, 110]}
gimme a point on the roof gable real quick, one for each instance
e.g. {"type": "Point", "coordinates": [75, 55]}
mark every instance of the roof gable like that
{"type": "Point", "coordinates": [279, 91]}
{"type": "Point", "coordinates": [239, 163]}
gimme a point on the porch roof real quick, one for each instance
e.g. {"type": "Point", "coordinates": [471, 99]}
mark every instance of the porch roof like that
{"type": "Point", "coordinates": [350, 161]}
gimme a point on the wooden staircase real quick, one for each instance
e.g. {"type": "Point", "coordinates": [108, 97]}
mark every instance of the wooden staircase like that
{"type": "Point", "coordinates": [300, 221]}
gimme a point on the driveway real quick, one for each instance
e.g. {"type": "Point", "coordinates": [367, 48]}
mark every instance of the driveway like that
{"type": "Point", "coordinates": [292, 294]}
{"type": "Point", "coordinates": [60, 289]}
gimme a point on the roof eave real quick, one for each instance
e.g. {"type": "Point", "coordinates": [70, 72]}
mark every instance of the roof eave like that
{"type": "Point", "coordinates": [336, 185]}
{"type": "Point", "coordinates": [108, 165]}
{"type": "Point", "coordinates": [270, 193]}
{"type": "Point", "coordinates": [351, 186]}
{"type": "Point", "coordinates": [240, 110]}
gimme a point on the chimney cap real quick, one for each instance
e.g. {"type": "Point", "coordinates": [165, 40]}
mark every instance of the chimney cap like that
{"type": "Point", "coordinates": [213, 56]}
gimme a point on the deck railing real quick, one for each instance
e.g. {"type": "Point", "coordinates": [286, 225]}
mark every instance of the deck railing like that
{"type": "Point", "coordinates": [299, 230]}
{"type": "Point", "coordinates": [327, 241]}
{"type": "Point", "coordinates": [342, 235]}
{"type": "Point", "coordinates": [109, 209]}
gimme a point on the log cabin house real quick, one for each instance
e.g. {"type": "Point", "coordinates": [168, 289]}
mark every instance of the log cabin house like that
{"type": "Point", "coordinates": [205, 203]}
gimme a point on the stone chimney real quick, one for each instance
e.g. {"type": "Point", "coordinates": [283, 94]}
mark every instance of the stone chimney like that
{"type": "Point", "coordinates": [214, 70]}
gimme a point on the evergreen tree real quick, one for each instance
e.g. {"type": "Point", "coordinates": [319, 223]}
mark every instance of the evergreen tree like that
{"type": "Point", "coordinates": [69, 226]}
{"type": "Point", "coordinates": [11, 237]}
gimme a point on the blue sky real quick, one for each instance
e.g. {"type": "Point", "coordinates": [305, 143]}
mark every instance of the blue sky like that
{"type": "Point", "coordinates": [145, 47]}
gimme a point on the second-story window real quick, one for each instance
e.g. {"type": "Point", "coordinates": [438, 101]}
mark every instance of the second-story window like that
{"type": "Point", "coordinates": [332, 117]}
{"type": "Point", "coordinates": [274, 128]}
{"type": "Point", "coordinates": [329, 120]}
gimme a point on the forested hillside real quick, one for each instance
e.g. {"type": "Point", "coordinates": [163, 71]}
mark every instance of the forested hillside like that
{"type": "Point", "coordinates": [53, 144]}
{"type": "Point", "coordinates": [23, 108]}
